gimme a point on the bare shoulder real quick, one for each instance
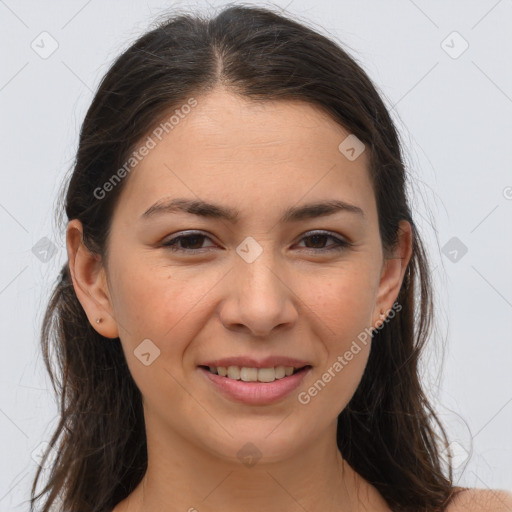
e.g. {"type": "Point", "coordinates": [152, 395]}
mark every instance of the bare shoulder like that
{"type": "Point", "coordinates": [481, 500]}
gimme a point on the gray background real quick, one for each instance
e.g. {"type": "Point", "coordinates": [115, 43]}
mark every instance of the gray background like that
{"type": "Point", "coordinates": [453, 109]}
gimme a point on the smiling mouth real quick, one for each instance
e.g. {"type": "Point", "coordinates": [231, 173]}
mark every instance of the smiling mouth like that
{"type": "Point", "coordinates": [247, 374]}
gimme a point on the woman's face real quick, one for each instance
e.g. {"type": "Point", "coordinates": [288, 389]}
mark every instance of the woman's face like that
{"type": "Point", "coordinates": [253, 286]}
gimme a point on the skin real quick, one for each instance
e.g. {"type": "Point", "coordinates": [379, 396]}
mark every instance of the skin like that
{"type": "Point", "coordinates": [259, 158]}
{"type": "Point", "coordinates": [482, 500]}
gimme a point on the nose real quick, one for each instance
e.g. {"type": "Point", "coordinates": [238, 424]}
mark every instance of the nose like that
{"type": "Point", "coordinates": [259, 298]}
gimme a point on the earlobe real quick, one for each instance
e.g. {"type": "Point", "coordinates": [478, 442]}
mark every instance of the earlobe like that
{"type": "Point", "coordinates": [89, 282]}
{"type": "Point", "coordinates": [393, 271]}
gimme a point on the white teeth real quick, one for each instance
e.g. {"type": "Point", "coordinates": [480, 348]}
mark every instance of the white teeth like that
{"type": "Point", "coordinates": [249, 374]}
{"type": "Point", "coordinates": [266, 374]}
{"type": "Point", "coordinates": [234, 372]}
{"type": "Point", "coordinates": [280, 372]}
{"type": "Point", "coordinates": [253, 374]}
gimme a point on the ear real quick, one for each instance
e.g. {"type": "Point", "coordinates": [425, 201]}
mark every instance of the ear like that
{"type": "Point", "coordinates": [393, 272]}
{"type": "Point", "coordinates": [89, 281]}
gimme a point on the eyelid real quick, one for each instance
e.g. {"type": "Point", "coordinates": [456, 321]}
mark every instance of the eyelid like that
{"type": "Point", "coordinates": [186, 234]}
{"type": "Point", "coordinates": [333, 234]}
{"type": "Point", "coordinates": [342, 242]}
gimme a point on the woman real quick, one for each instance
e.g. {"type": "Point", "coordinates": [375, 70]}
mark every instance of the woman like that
{"type": "Point", "coordinates": [239, 323]}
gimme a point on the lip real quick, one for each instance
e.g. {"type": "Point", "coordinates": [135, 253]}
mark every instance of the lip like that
{"type": "Point", "coordinates": [256, 393]}
{"type": "Point", "coordinates": [250, 362]}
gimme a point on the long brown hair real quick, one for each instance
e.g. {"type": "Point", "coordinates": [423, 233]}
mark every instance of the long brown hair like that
{"type": "Point", "coordinates": [388, 433]}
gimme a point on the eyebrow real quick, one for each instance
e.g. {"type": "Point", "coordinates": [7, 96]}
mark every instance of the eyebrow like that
{"type": "Point", "coordinates": [215, 211]}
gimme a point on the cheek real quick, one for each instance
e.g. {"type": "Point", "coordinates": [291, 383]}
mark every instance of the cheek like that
{"type": "Point", "coordinates": [156, 301]}
{"type": "Point", "coordinates": [331, 389]}
{"type": "Point", "coordinates": [343, 312]}
{"type": "Point", "coordinates": [342, 300]}
{"type": "Point", "coordinates": [166, 305]}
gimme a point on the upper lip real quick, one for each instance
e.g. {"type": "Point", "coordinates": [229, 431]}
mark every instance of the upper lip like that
{"type": "Point", "coordinates": [252, 362]}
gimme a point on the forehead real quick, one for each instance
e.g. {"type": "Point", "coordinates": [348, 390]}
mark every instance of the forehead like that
{"type": "Point", "coordinates": [248, 154]}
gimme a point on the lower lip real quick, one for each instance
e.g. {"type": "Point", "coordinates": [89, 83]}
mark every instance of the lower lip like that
{"type": "Point", "coordinates": [256, 393]}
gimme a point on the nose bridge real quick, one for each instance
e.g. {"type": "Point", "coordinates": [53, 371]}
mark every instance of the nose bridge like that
{"type": "Point", "coordinates": [258, 297]}
{"type": "Point", "coordinates": [259, 275]}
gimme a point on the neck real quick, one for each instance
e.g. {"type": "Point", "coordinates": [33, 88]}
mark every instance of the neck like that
{"type": "Point", "coordinates": [183, 477]}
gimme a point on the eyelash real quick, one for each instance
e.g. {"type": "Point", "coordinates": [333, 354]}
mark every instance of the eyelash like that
{"type": "Point", "coordinates": [339, 245]}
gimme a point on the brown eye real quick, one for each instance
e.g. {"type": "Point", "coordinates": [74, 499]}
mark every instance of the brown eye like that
{"type": "Point", "coordinates": [189, 243]}
{"type": "Point", "coordinates": [317, 242]}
